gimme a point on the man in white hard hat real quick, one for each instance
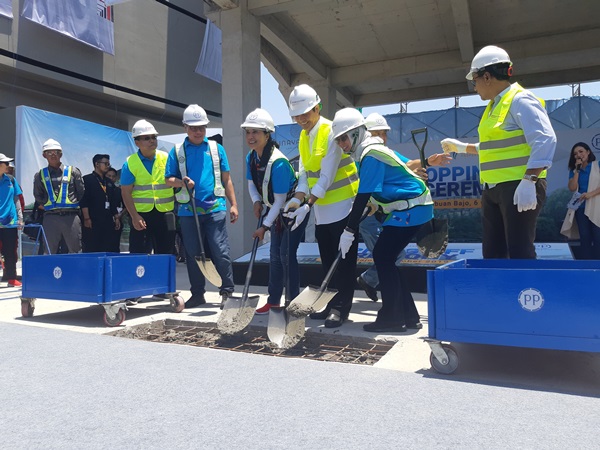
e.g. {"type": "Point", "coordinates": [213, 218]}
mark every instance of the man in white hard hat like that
{"type": "Point", "coordinates": [202, 165]}
{"type": "Point", "coordinates": [148, 199]}
{"type": "Point", "coordinates": [59, 189]}
{"type": "Point", "coordinates": [11, 216]}
{"type": "Point", "coordinates": [328, 180]}
{"type": "Point", "coordinates": [370, 227]}
{"type": "Point", "coordinates": [403, 196]}
{"type": "Point", "coordinates": [516, 147]}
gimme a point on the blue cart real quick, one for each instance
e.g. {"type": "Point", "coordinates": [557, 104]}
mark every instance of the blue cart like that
{"type": "Point", "coordinates": [549, 304]}
{"type": "Point", "coordinates": [108, 279]}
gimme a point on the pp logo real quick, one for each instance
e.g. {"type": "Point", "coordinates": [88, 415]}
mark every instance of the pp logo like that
{"type": "Point", "coordinates": [140, 271]}
{"type": "Point", "coordinates": [57, 272]}
{"type": "Point", "coordinates": [596, 142]}
{"type": "Point", "coordinates": [531, 300]}
{"type": "Point", "coordinates": [181, 159]}
{"type": "Point", "coordinates": [253, 116]}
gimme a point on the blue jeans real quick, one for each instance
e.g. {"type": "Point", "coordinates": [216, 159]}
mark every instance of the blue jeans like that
{"type": "Point", "coordinates": [280, 261]}
{"type": "Point", "coordinates": [216, 245]}
{"type": "Point", "coordinates": [370, 229]}
{"type": "Point", "coordinates": [589, 235]}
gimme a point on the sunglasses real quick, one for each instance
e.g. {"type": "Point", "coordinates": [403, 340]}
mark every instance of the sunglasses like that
{"type": "Point", "coordinates": [52, 152]}
{"type": "Point", "coordinates": [147, 138]}
{"type": "Point", "coordinates": [106, 163]}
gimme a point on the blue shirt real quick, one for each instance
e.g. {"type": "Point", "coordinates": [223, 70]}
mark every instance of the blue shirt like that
{"type": "Point", "coordinates": [199, 168]}
{"type": "Point", "coordinates": [283, 177]}
{"type": "Point", "coordinates": [127, 178]}
{"type": "Point", "coordinates": [388, 183]}
{"type": "Point", "coordinates": [9, 191]}
{"type": "Point", "coordinates": [584, 178]}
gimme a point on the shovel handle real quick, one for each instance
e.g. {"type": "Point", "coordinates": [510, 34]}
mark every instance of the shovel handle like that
{"type": "Point", "coordinates": [420, 147]}
{"type": "Point", "coordinates": [195, 213]}
{"type": "Point", "coordinates": [251, 263]}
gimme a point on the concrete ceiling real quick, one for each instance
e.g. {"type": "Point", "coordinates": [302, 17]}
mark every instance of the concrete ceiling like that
{"type": "Point", "coordinates": [388, 51]}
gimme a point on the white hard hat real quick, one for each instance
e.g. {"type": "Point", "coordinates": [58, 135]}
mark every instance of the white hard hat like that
{"type": "Point", "coordinates": [195, 116]}
{"type": "Point", "coordinates": [345, 120]}
{"type": "Point", "coordinates": [375, 121]}
{"type": "Point", "coordinates": [486, 57]}
{"type": "Point", "coordinates": [302, 99]}
{"type": "Point", "coordinates": [51, 144]}
{"type": "Point", "coordinates": [259, 118]}
{"type": "Point", "coordinates": [142, 128]}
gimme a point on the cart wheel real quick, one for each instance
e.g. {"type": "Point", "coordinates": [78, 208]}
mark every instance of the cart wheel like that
{"type": "Point", "coordinates": [118, 320]}
{"type": "Point", "coordinates": [177, 303]}
{"type": "Point", "coordinates": [452, 361]}
{"type": "Point", "coordinates": [27, 308]}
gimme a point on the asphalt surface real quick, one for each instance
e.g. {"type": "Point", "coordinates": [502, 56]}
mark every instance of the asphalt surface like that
{"type": "Point", "coordinates": [65, 384]}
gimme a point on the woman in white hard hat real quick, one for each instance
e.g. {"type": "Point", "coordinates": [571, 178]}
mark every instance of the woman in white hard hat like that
{"type": "Point", "coordinates": [271, 182]}
{"type": "Point", "coordinates": [406, 201]}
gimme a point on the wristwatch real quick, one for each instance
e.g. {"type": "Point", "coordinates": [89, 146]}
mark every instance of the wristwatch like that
{"type": "Point", "coordinates": [529, 177]}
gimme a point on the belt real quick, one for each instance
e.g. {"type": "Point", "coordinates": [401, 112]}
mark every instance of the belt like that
{"type": "Point", "coordinates": [62, 213]}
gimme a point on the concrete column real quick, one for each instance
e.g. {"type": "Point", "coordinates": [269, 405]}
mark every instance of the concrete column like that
{"type": "Point", "coordinates": [327, 94]}
{"type": "Point", "coordinates": [240, 95]}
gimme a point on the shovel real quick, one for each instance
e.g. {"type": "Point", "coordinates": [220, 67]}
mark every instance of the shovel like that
{"type": "Point", "coordinates": [432, 237]}
{"type": "Point", "coordinates": [238, 311]}
{"type": "Point", "coordinates": [284, 330]}
{"type": "Point", "coordinates": [207, 267]}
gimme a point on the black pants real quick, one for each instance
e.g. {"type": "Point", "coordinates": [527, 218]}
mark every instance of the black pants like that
{"type": "Point", "coordinates": [157, 233]}
{"type": "Point", "coordinates": [398, 306]}
{"type": "Point", "coordinates": [8, 236]}
{"type": "Point", "coordinates": [328, 238]}
{"type": "Point", "coordinates": [508, 233]}
{"type": "Point", "coordinates": [101, 237]}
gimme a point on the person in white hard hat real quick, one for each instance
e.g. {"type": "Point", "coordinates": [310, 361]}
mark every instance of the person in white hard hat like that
{"type": "Point", "coordinates": [202, 165]}
{"type": "Point", "coordinates": [59, 188]}
{"type": "Point", "coordinates": [271, 182]}
{"type": "Point", "coordinates": [370, 227]}
{"type": "Point", "coordinates": [516, 147]}
{"type": "Point", "coordinates": [328, 180]}
{"type": "Point", "coordinates": [11, 217]}
{"type": "Point", "coordinates": [146, 196]}
{"type": "Point", "coordinates": [406, 202]}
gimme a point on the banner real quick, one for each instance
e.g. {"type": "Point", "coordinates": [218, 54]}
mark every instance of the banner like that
{"type": "Point", "coordinates": [210, 63]}
{"type": "Point", "coordinates": [87, 21]}
{"type": "Point", "coordinates": [80, 141]}
{"type": "Point", "coordinates": [6, 8]}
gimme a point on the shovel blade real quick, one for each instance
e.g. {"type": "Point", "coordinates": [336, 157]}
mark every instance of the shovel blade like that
{"type": "Point", "coordinates": [284, 330]}
{"type": "Point", "coordinates": [312, 299]}
{"type": "Point", "coordinates": [432, 238]}
{"type": "Point", "coordinates": [237, 314]}
{"type": "Point", "coordinates": [209, 271]}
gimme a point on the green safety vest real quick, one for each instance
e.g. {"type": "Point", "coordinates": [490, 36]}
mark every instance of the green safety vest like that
{"type": "Point", "coordinates": [345, 182]}
{"type": "Point", "coordinates": [503, 155]}
{"type": "Point", "coordinates": [150, 190]}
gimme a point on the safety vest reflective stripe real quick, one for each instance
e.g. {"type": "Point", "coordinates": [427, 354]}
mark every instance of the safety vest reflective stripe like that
{"type": "Point", "coordinates": [62, 199]}
{"type": "Point", "coordinates": [150, 190]}
{"type": "Point", "coordinates": [182, 195]}
{"type": "Point", "coordinates": [276, 155]}
{"type": "Point", "coordinates": [389, 157]}
{"type": "Point", "coordinates": [345, 182]}
{"type": "Point", "coordinates": [503, 155]}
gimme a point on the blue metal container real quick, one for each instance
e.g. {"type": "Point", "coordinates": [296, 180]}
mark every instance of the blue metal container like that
{"type": "Point", "coordinates": [97, 277]}
{"type": "Point", "coordinates": [548, 304]}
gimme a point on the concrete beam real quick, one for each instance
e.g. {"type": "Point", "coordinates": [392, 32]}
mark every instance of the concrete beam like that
{"type": "Point", "coordinates": [226, 4]}
{"type": "Point", "coordinates": [279, 36]}
{"type": "Point", "coordinates": [276, 66]}
{"type": "Point", "coordinates": [266, 7]}
{"type": "Point", "coordinates": [413, 94]}
{"type": "Point", "coordinates": [464, 31]}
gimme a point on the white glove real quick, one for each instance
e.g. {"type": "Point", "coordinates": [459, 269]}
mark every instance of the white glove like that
{"type": "Point", "coordinates": [293, 204]}
{"type": "Point", "coordinates": [525, 196]}
{"type": "Point", "coordinates": [299, 215]}
{"type": "Point", "coordinates": [346, 240]}
{"type": "Point", "coordinates": [453, 146]}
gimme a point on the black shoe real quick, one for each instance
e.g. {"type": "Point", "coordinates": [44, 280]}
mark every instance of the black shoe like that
{"type": "Point", "coordinates": [334, 320]}
{"type": "Point", "coordinates": [384, 328]}
{"type": "Point", "coordinates": [320, 315]}
{"type": "Point", "coordinates": [369, 290]}
{"type": "Point", "coordinates": [224, 296]}
{"type": "Point", "coordinates": [414, 326]}
{"type": "Point", "coordinates": [195, 301]}
{"type": "Point", "coordinates": [131, 301]}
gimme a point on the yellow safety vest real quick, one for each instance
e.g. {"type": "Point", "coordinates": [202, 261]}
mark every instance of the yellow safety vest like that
{"type": "Point", "coordinates": [60, 200]}
{"type": "Point", "coordinates": [345, 182]}
{"type": "Point", "coordinates": [151, 191]}
{"type": "Point", "coordinates": [503, 155]}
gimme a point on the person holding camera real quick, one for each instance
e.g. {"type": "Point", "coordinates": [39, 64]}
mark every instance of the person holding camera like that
{"type": "Point", "coordinates": [584, 178]}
